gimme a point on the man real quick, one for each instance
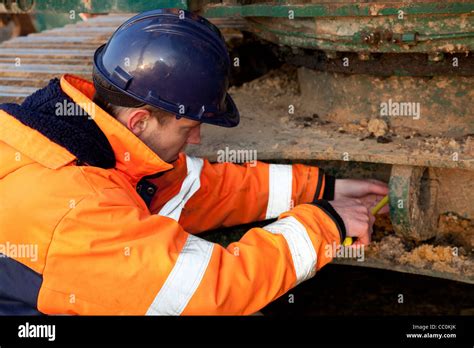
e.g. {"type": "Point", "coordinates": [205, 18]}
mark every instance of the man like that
{"type": "Point", "coordinates": [105, 195]}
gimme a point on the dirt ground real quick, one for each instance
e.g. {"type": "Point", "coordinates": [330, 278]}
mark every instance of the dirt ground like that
{"type": "Point", "coordinates": [450, 252]}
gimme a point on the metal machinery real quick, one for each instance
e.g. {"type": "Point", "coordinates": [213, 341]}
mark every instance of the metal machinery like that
{"type": "Point", "coordinates": [409, 64]}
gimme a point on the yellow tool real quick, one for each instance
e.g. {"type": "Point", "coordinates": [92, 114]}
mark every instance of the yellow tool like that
{"type": "Point", "coordinates": [375, 210]}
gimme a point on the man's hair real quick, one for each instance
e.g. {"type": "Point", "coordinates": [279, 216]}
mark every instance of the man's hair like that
{"type": "Point", "coordinates": [115, 110]}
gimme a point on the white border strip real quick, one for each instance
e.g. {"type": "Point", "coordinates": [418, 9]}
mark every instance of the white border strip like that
{"type": "Point", "coordinates": [184, 279]}
{"type": "Point", "coordinates": [191, 184]}
{"type": "Point", "coordinates": [301, 248]}
{"type": "Point", "coordinates": [280, 178]}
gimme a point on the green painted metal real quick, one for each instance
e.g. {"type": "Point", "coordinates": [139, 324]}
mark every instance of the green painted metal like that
{"type": "Point", "coordinates": [398, 198]}
{"type": "Point", "coordinates": [49, 20]}
{"type": "Point", "coordinates": [110, 6]}
{"type": "Point", "coordinates": [100, 6]}
{"type": "Point", "coordinates": [428, 33]}
{"type": "Point", "coordinates": [375, 26]}
{"type": "Point", "coordinates": [270, 9]}
{"type": "Point", "coordinates": [337, 9]}
{"type": "Point", "coordinates": [413, 202]}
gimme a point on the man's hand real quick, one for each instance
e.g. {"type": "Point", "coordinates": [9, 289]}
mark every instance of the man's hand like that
{"type": "Point", "coordinates": [357, 219]}
{"type": "Point", "coordinates": [369, 192]}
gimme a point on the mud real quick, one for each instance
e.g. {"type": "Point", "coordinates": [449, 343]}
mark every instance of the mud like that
{"type": "Point", "coordinates": [378, 127]}
{"type": "Point", "coordinates": [448, 252]}
{"type": "Point", "coordinates": [444, 259]}
{"type": "Point", "coordinates": [279, 90]}
{"type": "Point", "coordinates": [456, 230]}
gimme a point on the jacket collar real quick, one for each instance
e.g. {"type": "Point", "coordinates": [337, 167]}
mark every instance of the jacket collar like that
{"type": "Point", "coordinates": [132, 156]}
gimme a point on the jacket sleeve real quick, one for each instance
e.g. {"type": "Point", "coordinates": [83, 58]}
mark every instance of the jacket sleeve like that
{"type": "Point", "coordinates": [212, 195]}
{"type": "Point", "coordinates": [110, 256]}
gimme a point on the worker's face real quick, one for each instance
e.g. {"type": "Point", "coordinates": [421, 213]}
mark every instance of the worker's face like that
{"type": "Point", "coordinates": [167, 140]}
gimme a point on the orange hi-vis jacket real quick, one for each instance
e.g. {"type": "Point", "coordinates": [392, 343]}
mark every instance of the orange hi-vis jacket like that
{"type": "Point", "coordinates": [86, 233]}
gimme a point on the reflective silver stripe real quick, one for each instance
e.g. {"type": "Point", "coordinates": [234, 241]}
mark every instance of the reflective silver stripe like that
{"type": "Point", "coordinates": [301, 248]}
{"type": "Point", "coordinates": [280, 187]}
{"type": "Point", "coordinates": [184, 279]}
{"type": "Point", "coordinates": [191, 184]}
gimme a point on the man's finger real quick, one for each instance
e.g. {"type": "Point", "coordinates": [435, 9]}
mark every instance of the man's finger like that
{"type": "Point", "coordinates": [377, 187]}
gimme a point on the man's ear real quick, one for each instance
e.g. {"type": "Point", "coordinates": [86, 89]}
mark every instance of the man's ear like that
{"type": "Point", "coordinates": [138, 121]}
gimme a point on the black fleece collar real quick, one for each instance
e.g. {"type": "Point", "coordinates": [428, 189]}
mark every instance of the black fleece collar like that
{"type": "Point", "coordinates": [76, 132]}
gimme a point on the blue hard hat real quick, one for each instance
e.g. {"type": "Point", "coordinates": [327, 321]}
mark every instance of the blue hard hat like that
{"type": "Point", "coordinates": [171, 59]}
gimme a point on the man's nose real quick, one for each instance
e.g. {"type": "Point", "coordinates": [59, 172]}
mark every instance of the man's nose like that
{"type": "Point", "coordinates": [195, 136]}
